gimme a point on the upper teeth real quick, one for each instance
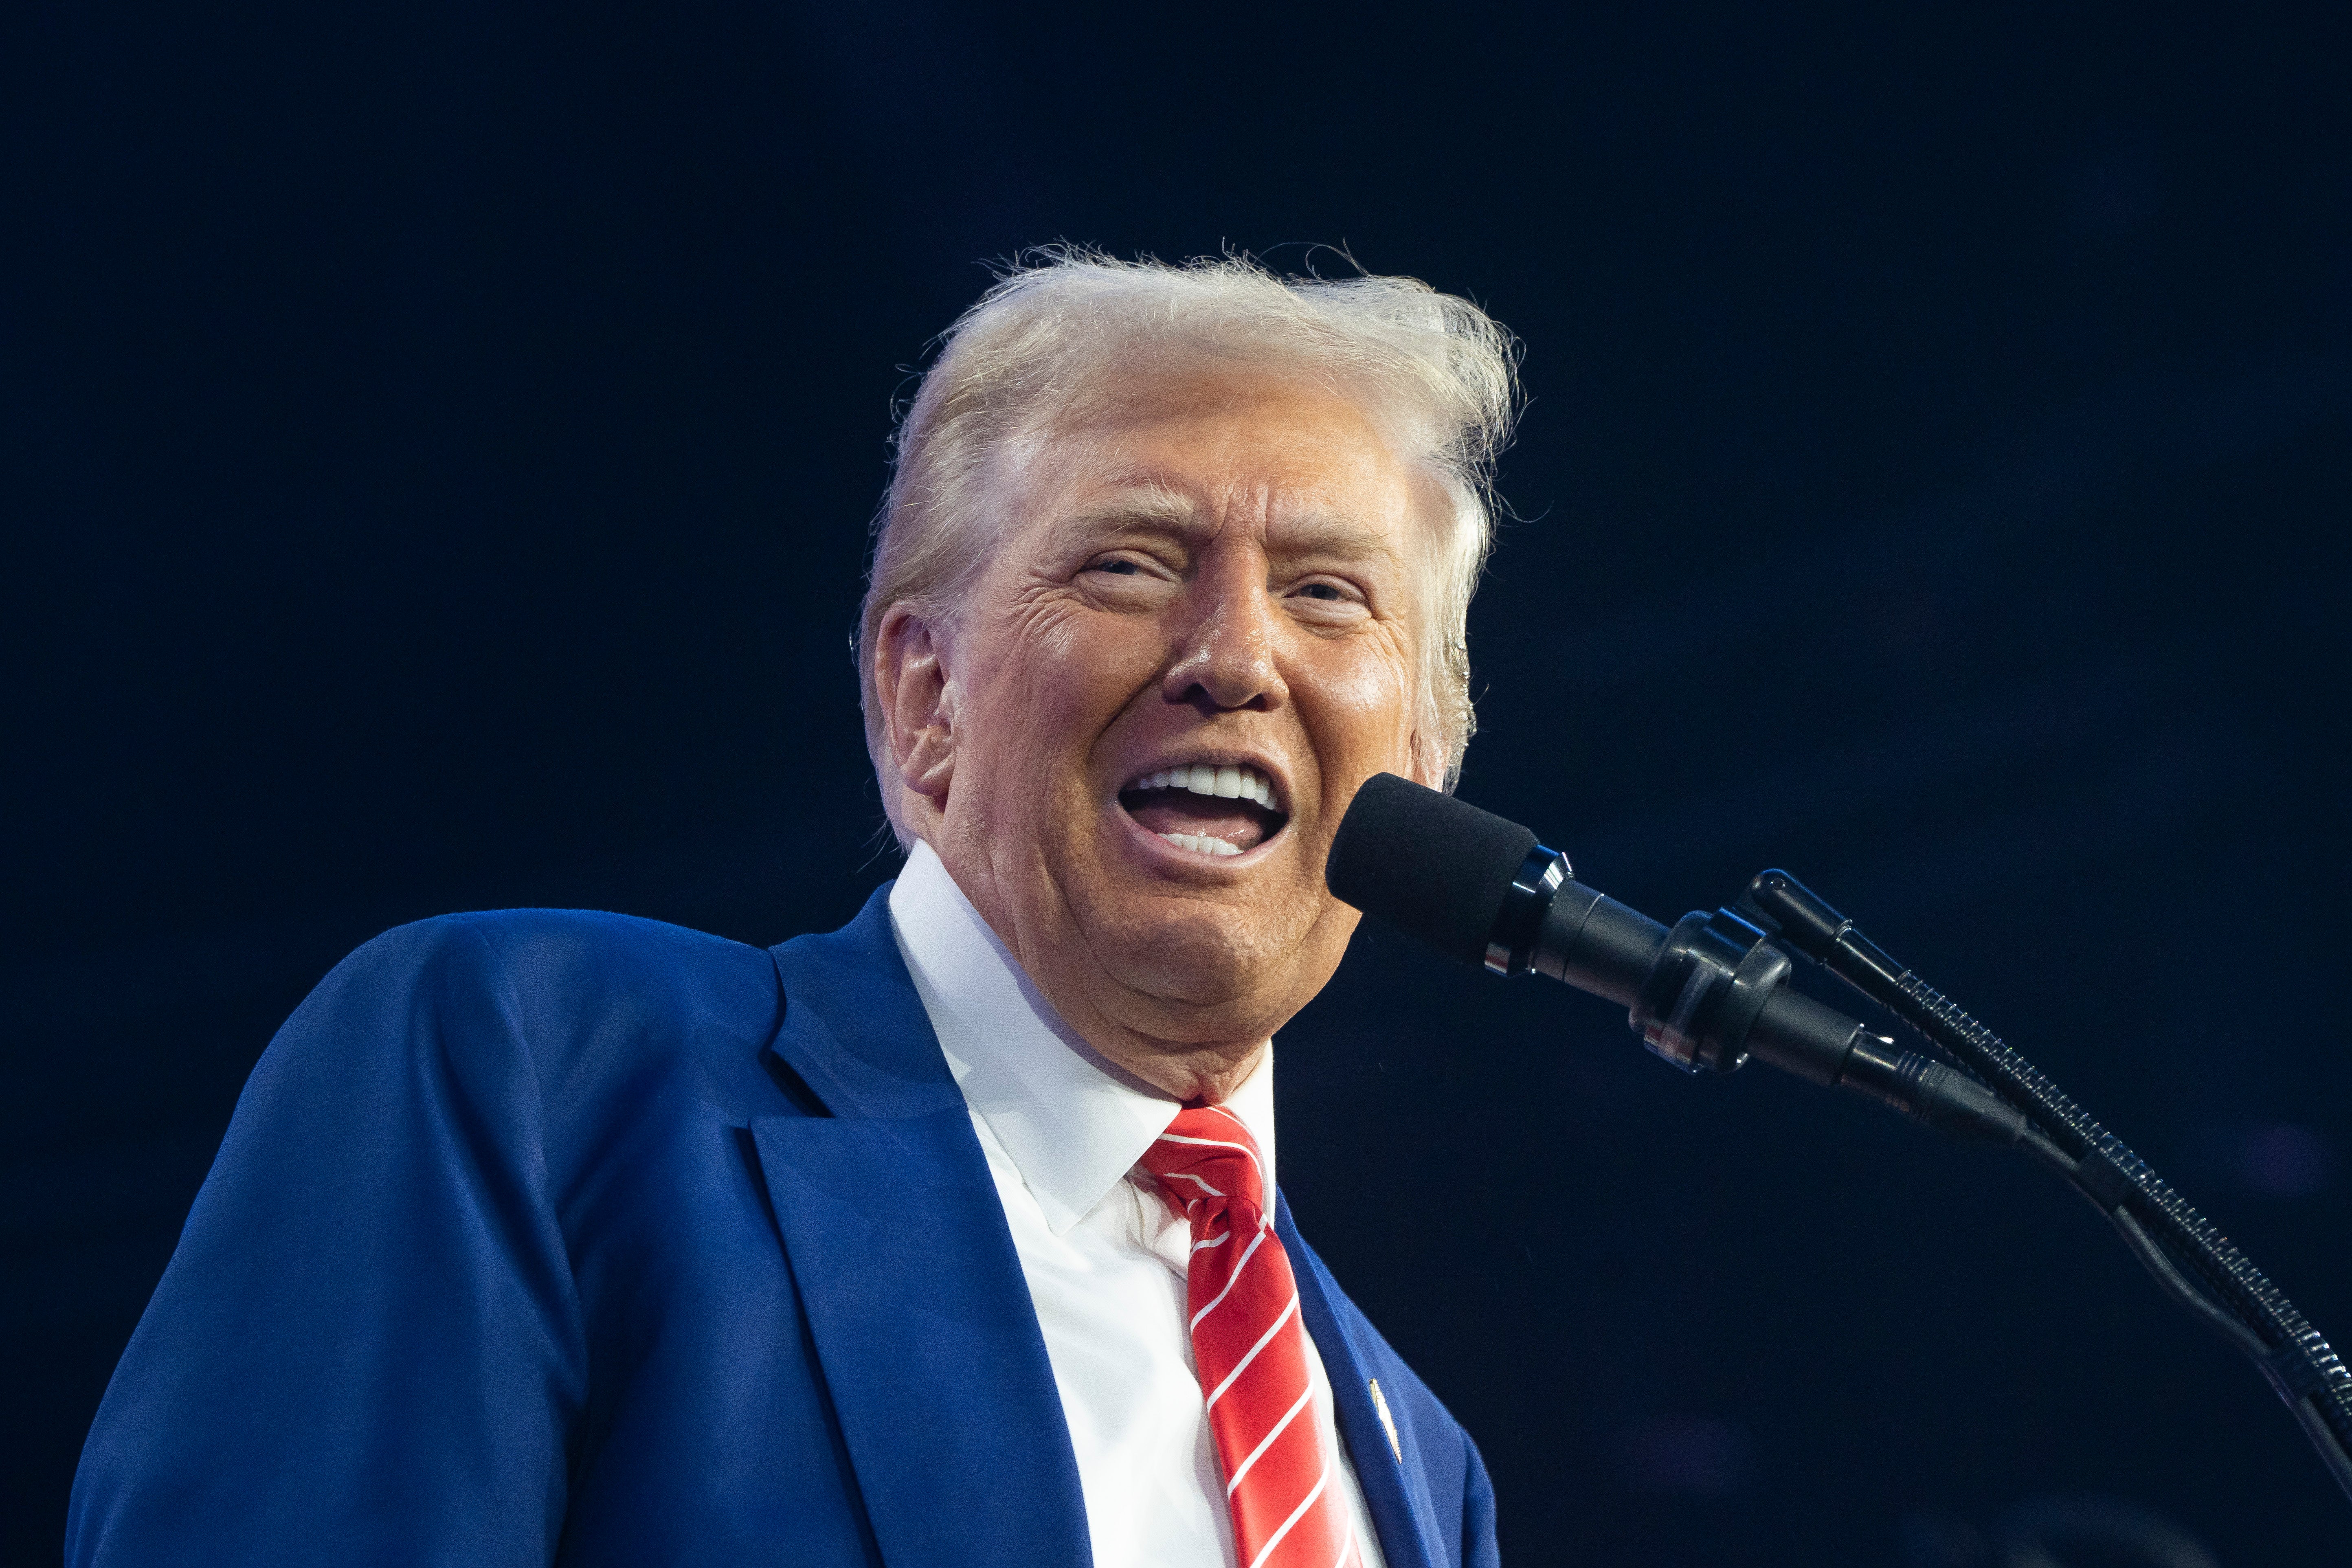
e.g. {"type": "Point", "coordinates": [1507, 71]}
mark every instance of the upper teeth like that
{"type": "Point", "coordinates": [1226, 782]}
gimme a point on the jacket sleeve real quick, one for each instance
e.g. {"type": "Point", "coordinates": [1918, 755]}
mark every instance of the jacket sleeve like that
{"type": "Point", "coordinates": [367, 1347]}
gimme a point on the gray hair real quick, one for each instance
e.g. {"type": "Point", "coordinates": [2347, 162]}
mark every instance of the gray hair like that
{"type": "Point", "coordinates": [1436, 375]}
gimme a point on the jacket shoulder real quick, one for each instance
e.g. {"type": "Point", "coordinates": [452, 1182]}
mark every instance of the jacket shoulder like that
{"type": "Point", "coordinates": [587, 1011]}
{"type": "Point", "coordinates": [554, 966]}
{"type": "Point", "coordinates": [539, 938]}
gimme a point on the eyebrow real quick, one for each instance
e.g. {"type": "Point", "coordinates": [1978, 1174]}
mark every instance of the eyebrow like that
{"type": "Point", "coordinates": [1335, 534]}
{"type": "Point", "coordinates": [1168, 511]}
{"type": "Point", "coordinates": [1151, 507]}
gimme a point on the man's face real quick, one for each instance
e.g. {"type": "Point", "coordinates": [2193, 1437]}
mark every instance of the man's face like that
{"type": "Point", "coordinates": [1207, 587]}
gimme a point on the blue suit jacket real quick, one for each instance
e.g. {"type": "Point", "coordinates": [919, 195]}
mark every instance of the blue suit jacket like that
{"type": "Point", "coordinates": [558, 1237]}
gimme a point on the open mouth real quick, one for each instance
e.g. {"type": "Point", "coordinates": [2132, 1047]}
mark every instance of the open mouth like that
{"type": "Point", "coordinates": [1208, 808]}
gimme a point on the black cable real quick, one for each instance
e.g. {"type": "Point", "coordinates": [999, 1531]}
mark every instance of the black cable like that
{"type": "Point", "coordinates": [2220, 1285]}
{"type": "Point", "coordinates": [2331, 1452]}
{"type": "Point", "coordinates": [2300, 1366]}
{"type": "Point", "coordinates": [2152, 1256]}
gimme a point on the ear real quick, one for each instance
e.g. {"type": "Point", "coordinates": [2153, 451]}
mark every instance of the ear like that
{"type": "Point", "coordinates": [1428, 763]}
{"type": "Point", "coordinates": [1426, 755]}
{"type": "Point", "coordinates": [1427, 766]}
{"type": "Point", "coordinates": [911, 682]}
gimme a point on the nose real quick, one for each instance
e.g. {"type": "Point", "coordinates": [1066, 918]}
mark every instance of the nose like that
{"type": "Point", "coordinates": [1230, 643]}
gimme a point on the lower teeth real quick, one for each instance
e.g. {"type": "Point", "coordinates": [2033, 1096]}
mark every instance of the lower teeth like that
{"type": "Point", "coordinates": [1200, 844]}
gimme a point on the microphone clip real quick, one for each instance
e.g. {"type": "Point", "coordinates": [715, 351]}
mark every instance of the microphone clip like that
{"type": "Point", "coordinates": [1705, 990]}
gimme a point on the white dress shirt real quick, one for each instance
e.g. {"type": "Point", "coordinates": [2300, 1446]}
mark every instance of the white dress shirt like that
{"type": "Point", "coordinates": [1103, 1257]}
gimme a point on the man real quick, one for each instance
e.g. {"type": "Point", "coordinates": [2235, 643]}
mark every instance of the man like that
{"type": "Point", "coordinates": [952, 1237]}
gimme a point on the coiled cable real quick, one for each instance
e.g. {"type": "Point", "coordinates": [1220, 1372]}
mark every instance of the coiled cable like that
{"type": "Point", "coordinates": [2189, 1256]}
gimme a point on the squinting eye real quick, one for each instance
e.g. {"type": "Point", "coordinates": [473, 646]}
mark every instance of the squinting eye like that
{"type": "Point", "coordinates": [1124, 568]}
{"type": "Point", "coordinates": [1322, 591]}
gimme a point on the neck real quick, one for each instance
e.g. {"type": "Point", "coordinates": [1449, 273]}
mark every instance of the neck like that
{"type": "Point", "coordinates": [1197, 1074]}
{"type": "Point", "coordinates": [1193, 1054]}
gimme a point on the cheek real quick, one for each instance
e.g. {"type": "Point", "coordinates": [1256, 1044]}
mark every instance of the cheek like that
{"type": "Point", "coordinates": [1363, 705]}
{"type": "Point", "coordinates": [1077, 667]}
{"type": "Point", "coordinates": [1049, 680]}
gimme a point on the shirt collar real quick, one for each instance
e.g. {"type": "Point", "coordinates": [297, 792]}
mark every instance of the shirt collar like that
{"type": "Point", "coordinates": [1070, 1123]}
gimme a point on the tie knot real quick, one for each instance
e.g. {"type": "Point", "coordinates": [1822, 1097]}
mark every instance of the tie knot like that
{"type": "Point", "coordinates": [1207, 1158]}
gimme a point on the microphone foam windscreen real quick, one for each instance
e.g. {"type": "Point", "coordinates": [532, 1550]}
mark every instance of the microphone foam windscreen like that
{"type": "Point", "coordinates": [1434, 867]}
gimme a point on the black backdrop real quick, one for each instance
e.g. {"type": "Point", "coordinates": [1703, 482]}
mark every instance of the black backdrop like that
{"type": "Point", "coordinates": [438, 444]}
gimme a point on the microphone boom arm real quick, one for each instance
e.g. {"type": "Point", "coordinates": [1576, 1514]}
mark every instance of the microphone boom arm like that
{"type": "Point", "coordinates": [1711, 992]}
{"type": "Point", "coordinates": [2160, 1228]}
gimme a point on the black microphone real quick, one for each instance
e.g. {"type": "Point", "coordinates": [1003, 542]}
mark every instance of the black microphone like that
{"type": "Point", "coordinates": [1710, 991]}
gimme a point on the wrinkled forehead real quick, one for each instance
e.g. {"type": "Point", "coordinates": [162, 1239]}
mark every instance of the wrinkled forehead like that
{"type": "Point", "coordinates": [1199, 445]}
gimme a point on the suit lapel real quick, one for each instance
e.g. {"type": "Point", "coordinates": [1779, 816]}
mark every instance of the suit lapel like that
{"type": "Point", "coordinates": [854, 1030]}
{"type": "Point", "coordinates": [914, 1298]}
{"type": "Point", "coordinates": [926, 1338]}
{"type": "Point", "coordinates": [914, 1295]}
{"type": "Point", "coordinates": [1388, 1461]}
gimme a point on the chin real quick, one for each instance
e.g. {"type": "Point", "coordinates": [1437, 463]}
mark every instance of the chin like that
{"type": "Point", "coordinates": [1199, 954]}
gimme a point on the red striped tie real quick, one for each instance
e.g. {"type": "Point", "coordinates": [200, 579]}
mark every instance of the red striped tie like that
{"type": "Point", "coordinates": [1250, 1348]}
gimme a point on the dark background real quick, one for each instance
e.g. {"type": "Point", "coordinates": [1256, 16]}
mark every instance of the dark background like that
{"type": "Point", "coordinates": [438, 443]}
